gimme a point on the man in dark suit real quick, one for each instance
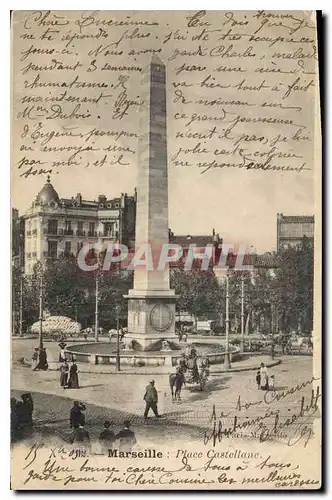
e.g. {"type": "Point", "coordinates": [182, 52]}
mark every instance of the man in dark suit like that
{"type": "Point", "coordinates": [76, 415]}
{"type": "Point", "coordinates": [107, 436]}
{"type": "Point", "coordinates": [151, 400]}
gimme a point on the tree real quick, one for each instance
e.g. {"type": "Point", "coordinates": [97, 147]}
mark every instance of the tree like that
{"type": "Point", "coordinates": [293, 290]}
{"type": "Point", "coordinates": [198, 292]}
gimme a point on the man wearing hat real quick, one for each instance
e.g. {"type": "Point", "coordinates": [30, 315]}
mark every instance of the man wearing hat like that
{"type": "Point", "coordinates": [76, 414]}
{"type": "Point", "coordinates": [126, 436]}
{"type": "Point", "coordinates": [151, 399]}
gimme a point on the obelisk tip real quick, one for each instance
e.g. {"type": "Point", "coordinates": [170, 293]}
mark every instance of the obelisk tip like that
{"type": "Point", "coordinates": [156, 60]}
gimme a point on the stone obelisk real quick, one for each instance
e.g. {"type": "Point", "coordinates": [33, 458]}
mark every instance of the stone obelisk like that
{"type": "Point", "coordinates": [151, 303]}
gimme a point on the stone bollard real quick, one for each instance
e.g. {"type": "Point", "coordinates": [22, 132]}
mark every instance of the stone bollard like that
{"type": "Point", "coordinates": [93, 359]}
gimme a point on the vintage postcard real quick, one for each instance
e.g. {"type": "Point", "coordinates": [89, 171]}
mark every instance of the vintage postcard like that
{"type": "Point", "coordinates": [166, 250]}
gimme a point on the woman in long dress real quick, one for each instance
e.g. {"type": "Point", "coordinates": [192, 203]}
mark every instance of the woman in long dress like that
{"type": "Point", "coordinates": [264, 377]}
{"type": "Point", "coordinates": [73, 377]}
{"type": "Point", "coordinates": [64, 369]}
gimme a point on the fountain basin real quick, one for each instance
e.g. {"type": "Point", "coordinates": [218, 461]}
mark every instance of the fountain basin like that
{"type": "Point", "coordinates": [104, 353]}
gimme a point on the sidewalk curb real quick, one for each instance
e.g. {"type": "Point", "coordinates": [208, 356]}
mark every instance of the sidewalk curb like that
{"type": "Point", "coordinates": [252, 367]}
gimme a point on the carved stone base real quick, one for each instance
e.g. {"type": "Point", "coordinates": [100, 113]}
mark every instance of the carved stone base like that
{"type": "Point", "coordinates": [151, 319]}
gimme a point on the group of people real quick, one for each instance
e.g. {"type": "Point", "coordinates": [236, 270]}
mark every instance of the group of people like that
{"type": "Point", "coordinates": [21, 416]}
{"type": "Point", "coordinates": [39, 359]}
{"type": "Point", "coordinates": [189, 361]}
{"type": "Point", "coordinates": [68, 376]}
{"type": "Point", "coordinates": [263, 380]}
{"type": "Point", "coordinates": [107, 436]}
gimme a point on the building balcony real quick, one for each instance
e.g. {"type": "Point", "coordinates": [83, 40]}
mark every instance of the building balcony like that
{"type": "Point", "coordinates": [80, 233]}
{"type": "Point", "coordinates": [68, 232]}
{"type": "Point", "coordinates": [92, 234]}
{"type": "Point", "coordinates": [53, 232]}
{"type": "Point", "coordinates": [108, 234]}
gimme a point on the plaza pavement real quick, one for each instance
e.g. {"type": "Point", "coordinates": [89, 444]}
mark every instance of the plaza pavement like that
{"type": "Point", "coordinates": [119, 396]}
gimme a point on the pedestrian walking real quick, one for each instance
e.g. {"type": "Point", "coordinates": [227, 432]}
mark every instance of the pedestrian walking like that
{"type": "Point", "coordinates": [271, 383]}
{"type": "Point", "coordinates": [264, 377]}
{"type": "Point", "coordinates": [126, 436]}
{"type": "Point", "coordinates": [107, 437]}
{"type": "Point", "coordinates": [73, 377]}
{"type": "Point", "coordinates": [258, 379]}
{"type": "Point", "coordinates": [76, 414]}
{"type": "Point", "coordinates": [151, 399]}
{"type": "Point", "coordinates": [64, 370]}
{"type": "Point", "coordinates": [42, 360]}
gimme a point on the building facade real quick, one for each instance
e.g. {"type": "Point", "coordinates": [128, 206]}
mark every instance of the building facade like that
{"type": "Point", "coordinates": [17, 239]}
{"type": "Point", "coordinates": [292, 228]}
{"type": "Point", "coordinates": [55, 226]}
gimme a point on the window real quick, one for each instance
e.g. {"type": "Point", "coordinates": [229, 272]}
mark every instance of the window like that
{"type": "Point", "coordinates": [68, 229]}
{"type": "Point", "coordinates": [52, 226]}
{"type": "Point", "coordinates": [67, 248]}
{"type": "Point", "coordinates": [53, 249]}
{"type": "Point", "coordinates": [80, 228]}
{"type": "Point", "coordinates": [79, 245]}
{"type": "Point", "coordinates": [92, 228]}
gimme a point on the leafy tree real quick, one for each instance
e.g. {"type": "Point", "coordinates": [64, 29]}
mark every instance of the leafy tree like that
{"type": "Point", "coordinates": [198, 292]}
{"type": "Point", "coordinates": [293, 288]}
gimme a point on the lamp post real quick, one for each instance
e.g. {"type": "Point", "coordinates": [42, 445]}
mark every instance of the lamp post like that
{"type": "Point", "coordinates": [41, 309]}
{"type": "Point", "coordinates": [227, 363]}
{"type": "Point", "coordinates": [97, 295]}
{"type": "Point", "coordinates": [97, 308]}
{"type": "Point", "coordinates": [272, 331]}
{"type": "Point", "coordinates": [21, 306]}
{"type": "Point", "coordinates": [242, 314]}
{"type": "Point", "coordinates": [117, 312]}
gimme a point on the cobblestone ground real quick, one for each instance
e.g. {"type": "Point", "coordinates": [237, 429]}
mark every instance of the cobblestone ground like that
{"type": "Point", "coordinates": [117, 397]}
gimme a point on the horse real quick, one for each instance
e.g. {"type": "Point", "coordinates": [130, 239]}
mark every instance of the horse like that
{"type": "Point", "coordinates": [176, 380]}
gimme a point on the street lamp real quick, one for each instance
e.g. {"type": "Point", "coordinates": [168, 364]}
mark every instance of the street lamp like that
{"type": "Point", "coordinates": [272, 331]}
{"type": "Point", "coordinates": [97, 297]}
{"type": "Point", "coordinates": [117, 313]}
{"type": "Point", "coordinates": [227, 363]}
{"type": "Point", "coordinates": [21, 305]}
{"type": "Point", "coordinates": [242, 314]}
{"type": "Point", "coordinates": [96, 308]}
{"type": "Point", "coordinates": [41, 310]}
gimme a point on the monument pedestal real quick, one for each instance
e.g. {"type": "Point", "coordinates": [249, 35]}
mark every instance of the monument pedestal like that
{"type": "Point", "coordinates": [151, 318]}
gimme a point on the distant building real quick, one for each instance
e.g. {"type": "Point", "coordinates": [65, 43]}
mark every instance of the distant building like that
{"type": "Point", "coordinates": [17, 239]}
{"type": "Point", "coordinates": [200, 242]}
{"type": "Point", "coordinates": [55, 226]}
{"type": "Point", "coordinates": [292, 228]}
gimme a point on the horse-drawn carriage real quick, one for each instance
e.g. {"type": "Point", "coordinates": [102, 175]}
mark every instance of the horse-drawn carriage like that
{"type": "Point", "coordinates": [192, 371]}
